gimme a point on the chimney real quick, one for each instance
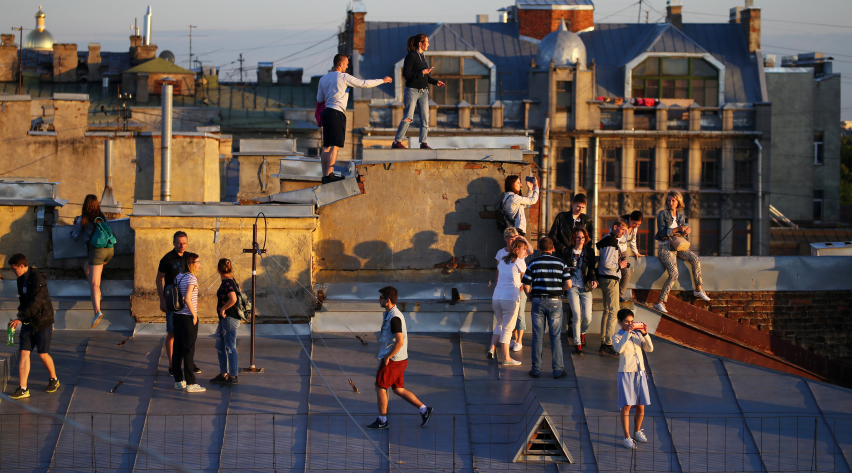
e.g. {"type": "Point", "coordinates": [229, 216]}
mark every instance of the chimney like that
{"type": "Point", "coordinates": [264, 73]}
{"type": "Point", "coordinates": [65, 62]}
{"type": "Point", "coordinates": [482, 18]}
{"type": "Point", "coordinates": [674, 13]}
{"type": "Point", "coordinates": [147, 28]}
{"type": "Point", "coordinates": [537, 20]}
{"type": "Point", "coordinates": [135, 41]}
{"type": "Point", "coordinates": [94, 61]}
{"type": "Point", "coordinates": [750, 22]}
{"type": "Point", "coordinates": [8, 60]}
{"type": "Point", "coordinates": [7, 40]}
{"type": "Point", "coordinates": [356, 29]}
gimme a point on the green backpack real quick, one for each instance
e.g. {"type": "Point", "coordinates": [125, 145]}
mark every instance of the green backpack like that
{"type": "Point", "coordinates": [102, 236]}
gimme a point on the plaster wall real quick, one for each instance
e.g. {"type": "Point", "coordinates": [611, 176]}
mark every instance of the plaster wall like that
{"type": "Point", "coordinates": [417, 221]}
{"type": "Point", "coordinates": [288, 245]}
{"type": "Point", "coordinates": [827, 177]}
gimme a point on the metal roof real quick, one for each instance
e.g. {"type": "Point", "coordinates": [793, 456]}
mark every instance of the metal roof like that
{"type": "Point", "coordinates": [158, 66]}
{"type": "Point", "coordinates": [612, 45]}
{"type": "Point", "coordinates": [551, 3]}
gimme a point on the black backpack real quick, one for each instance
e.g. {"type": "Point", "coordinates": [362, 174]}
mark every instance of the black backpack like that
{"type": "Point", "coordinates": [504, 220]}
{"type": "Point", "coordinates": [171, 293]}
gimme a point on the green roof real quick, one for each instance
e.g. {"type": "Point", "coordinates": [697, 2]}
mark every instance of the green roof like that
{"type": "Point", "coordinates": [158, 66]}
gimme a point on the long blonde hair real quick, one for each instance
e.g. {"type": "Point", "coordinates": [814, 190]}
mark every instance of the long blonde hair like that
{"type": "Point", "coordinates": [678, 196]}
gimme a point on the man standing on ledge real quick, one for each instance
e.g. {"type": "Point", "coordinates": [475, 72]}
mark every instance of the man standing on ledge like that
{"type": "Point", "coordinates": [393, 359]}
{"type": "Point", "coordinates": [334, 92]}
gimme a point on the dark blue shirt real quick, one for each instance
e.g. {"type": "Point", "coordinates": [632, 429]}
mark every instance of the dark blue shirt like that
{"type": "Point", "coordinates": [546, 276]}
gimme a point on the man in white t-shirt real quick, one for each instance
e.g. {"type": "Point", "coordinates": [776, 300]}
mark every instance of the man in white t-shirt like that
{"type": "Point", "coordinates": [333, 90]}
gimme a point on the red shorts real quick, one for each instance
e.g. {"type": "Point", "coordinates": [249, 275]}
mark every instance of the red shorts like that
{"type": "Point", "coordinates": [391, 374]}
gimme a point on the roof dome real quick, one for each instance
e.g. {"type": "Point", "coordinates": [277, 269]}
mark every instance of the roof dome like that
{"type": "Point", "coordinates": [39, 38]}
{"type": "Point", "coordinates": [563, 47]}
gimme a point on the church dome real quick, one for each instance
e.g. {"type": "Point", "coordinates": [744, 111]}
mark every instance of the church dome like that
{"type": "Point", "coordinates": [39, 38]}
{"type": "Point", "coordinates": [563, 47]}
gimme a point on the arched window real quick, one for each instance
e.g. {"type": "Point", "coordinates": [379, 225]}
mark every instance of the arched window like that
{"type": "Point", "coordinates": [677, 78]}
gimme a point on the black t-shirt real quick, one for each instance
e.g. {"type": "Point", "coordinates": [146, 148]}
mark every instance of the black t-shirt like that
{"type": "Point", "coordinates": [396, 325]}
{"type": "Point", "coordinates": [171, 266]}
{"type": "Point", "coordinates": [228, 286]}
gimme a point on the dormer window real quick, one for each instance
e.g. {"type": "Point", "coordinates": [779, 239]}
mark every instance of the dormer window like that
{"type": "Point", "coordinates": [466, 77]}
{"type": "Point", "coordinates": [677, 78]}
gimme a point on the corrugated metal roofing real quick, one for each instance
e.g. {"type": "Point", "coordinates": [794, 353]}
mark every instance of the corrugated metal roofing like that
{"type": "Point", "coordinates": [612, 45]}
{"type": "Point", "coordinates": [499, 42]}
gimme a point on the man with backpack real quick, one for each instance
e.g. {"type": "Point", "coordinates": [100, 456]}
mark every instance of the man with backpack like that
{"type": "Point", "coordinates": [170, 266]}
{"type": "Point", "coordinates": [35, 313]}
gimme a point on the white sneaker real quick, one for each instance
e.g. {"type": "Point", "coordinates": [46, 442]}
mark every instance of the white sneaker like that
{"type": "Point", "coordinates": [639, 436]}
{"type": "Point", "coordinates": [180, 386]}
{"type": "Point", "coordinates": [194, 388]}
{"type": "Point", "coordinates": [512, 344]}
{"type": "Point", "coordinates": [629, 443]}
{"type": "Point", "coordinates": [661, 307]}
{"type": "Point", "coordinates": [701, 295]}
{"type": "Point", "coordinates": [517, 347]}
{"type": "Point", "coordinates": [510, 363]}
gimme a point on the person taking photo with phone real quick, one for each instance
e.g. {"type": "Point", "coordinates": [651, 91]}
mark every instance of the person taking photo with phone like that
{"type": "Point", "coordinates": [514, 203]}
{"type": "Point", "coordinates": [632, 379]}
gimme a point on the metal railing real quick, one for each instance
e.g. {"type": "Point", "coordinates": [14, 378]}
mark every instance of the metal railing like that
{"type": "Point", "coordinates": [451, 442]}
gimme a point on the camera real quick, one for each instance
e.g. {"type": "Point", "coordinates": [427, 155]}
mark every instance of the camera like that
{"type": "Point", "coordinates": [639, 326]}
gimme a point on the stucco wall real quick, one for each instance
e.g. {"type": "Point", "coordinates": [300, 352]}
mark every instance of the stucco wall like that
{"type": "Point", "coordinates": [417, 221]}
{"type": "Point", "coordinates": [18, 235]}
{"type": "Point", "coordinates": [288, 244]}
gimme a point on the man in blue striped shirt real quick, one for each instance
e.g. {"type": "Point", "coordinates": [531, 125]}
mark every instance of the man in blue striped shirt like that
{"type": "Point", "coordinates": [545, 280]}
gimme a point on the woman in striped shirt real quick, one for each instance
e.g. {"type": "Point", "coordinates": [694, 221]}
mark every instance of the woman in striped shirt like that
{"type": "Point", "coordinates": [186, 325]}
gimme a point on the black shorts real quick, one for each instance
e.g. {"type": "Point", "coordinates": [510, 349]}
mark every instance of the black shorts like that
{"type": "Point", "coordinates": [333, 128]}
{"type": "Point", "coordinates": [40, 339]}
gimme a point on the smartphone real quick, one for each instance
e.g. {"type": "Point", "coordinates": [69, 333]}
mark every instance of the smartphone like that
{"type": "Point", "coordinates": [639, 326]}
{"type": "Point", "coordinates": [530, 179]}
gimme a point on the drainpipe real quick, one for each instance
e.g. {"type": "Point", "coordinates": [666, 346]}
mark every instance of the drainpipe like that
{"type": "Point", "coordinates": [166, 146]}
{"type": "Point", "coordinates": [545, 180]}
{"type": "Point", "coordinates": [108, 202]}
{"type": "Point", "coordinates": [596, 183]}
{"type": "Point", "coordinates": [759, 197]}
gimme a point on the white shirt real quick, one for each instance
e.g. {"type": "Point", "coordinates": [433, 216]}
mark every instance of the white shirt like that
{"type": "Point", "coordinates": [515, 205]}
{"type": "Point", "coordinates": [333, 88]}
{"type": "Point", "coordinates": [630, 345]}
{"type": "Point", "coordinates": [509, 280]}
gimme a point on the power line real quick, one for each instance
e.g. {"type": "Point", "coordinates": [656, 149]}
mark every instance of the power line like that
{"type": "Point", "coordinates": [847, 27]}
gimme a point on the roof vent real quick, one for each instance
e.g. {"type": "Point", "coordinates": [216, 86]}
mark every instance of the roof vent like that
{"type": "Point", "coordinates": [539, 439]}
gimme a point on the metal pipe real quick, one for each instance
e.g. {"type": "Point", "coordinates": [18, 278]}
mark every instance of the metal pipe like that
{"type": "Point", "coordinates": [596, 183]}
{"type": "Point", "coordinates": [166, 146]}
{"type": "Point", "coordinates": [545, 178]}
{"type": "Point", "coordinates": [759, 197]}
{"type": "Point", "coordinates": [254, 247]}
{"type": "Point", "coordinates": [108, 163]}
{"type": "Point", "coordinates": [147, 27]}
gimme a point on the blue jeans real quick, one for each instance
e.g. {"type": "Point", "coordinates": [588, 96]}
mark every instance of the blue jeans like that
{"type": "Point", "coordinates": [414, 97]}
{"type": "Point", "coordinates": [226, 345]}
{"type": "Point", "coordinates": [581, 307]}
{"type": "Point", "coordinates": [547, 311]}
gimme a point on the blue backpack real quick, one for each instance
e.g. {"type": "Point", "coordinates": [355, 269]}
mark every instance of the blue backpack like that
{"type": "Point", "coordinates": [102, 236]}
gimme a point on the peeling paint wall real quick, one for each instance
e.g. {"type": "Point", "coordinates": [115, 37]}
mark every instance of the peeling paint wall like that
{"type": "Point", "coordinates": [416, 221]}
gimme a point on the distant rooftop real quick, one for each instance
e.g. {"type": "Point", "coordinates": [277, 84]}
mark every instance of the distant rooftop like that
{"type": "Point", "coordinates": [158, 66]}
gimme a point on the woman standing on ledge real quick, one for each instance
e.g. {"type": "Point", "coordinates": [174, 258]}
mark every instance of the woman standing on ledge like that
{"type": "Point", "coordinates": [416, 72]}
{"type": "Point", "coordinates": [84, 225]}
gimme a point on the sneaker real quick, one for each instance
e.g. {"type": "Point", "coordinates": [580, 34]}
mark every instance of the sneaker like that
{"type": "Point", "coordinates": [398, 145]}
{"type": "Point", "coordinates": [701, 295]}
{"type": "Point", "coordinates": [219, 379]}
{"type": "Point", "coordinates": [100, 315]}
{"type": "Point", "coordinates": [196, 369]}
{"type": "Point", "coordinates": [378, 425]}
{"type": "Point", "coordinates": [578, 350]}
{"type": "Point", "coordinates": [661, 307]}
{"type": "Point", "coordinates": [331, 178]}
{"type": "Point", "coordinates": [194, 388]}
{"type": "Point", "coordinates": [518, 347]}
{"type": "Point", "coordinates": [629, 443]}
{"type": "Point", "coordinates": [489, 354]}
{"type": "Point", "coordinates": [52, 385]}
{"type": "Point", "coordinates": [424, 146]}
{"type": "Point", "coordinates": [232, 380]}
{"type": "Point", "coordinates": [639, 436]}
{"type": "Point", "coordinates": [171, 373]}
{"type": "Point", "coordinates": [511, 362]}
{"type": "Point", "coordinates": [180, 386]}
{"type": "Point", "coordinates": [533, 374]}
{"type": "Point", "coordinates": [583, 340]}
{"type": "Point", "coordinates": [425, 417]}
{"type": "Point", "coordinates": [607, 350]}
{"type": "Point", "coordinates": [20, 393]}
{"type": "Point", "coordinates": [560, 375]}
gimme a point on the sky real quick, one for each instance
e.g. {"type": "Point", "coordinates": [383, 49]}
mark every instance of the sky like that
{"type": "Point", "coordinates": [304, 33]}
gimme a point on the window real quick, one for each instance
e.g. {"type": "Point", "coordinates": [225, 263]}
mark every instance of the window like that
{"type": "Point", "coordinates": [711, 120]}
{"type": "Point", "coordinates": [677, 78]}
{"type": "Point", "coordinates": [678, 119]}
{"type": "Point", "coordinates": [645, 237]}
{"type": "Point", "coordinates": [741, 238]}
{"type": "Point", "coordinates": [677, 168]}
{"type": "Point", "coordinates": [645, 120]}
{"type": "Point", "coordinates": [564, 94]}
{"type": "Point", "coordinates": [743, 169]}
{"type": "Point", "coordinates": [611, 167]}
{"type": "Point", "coordinates": [611, 119]}
{"type": "Point", "coordinates": [744, 120]}
{"type": "Point", "coordinates": [582, 164]}
{"type": "Point", "coordinates": [710, 168]}
{"type": "Point", "coordinates": [564, 174]}
{"type": "Point", "coordinates": [818, 199]}
{"type": "Point", "coordinates": [644, 167]}
{"type": "Point", "coordinates": [465, 77]}
{"type": "Point", "coordinates": [819, 147]}
{"type": "Point", "coordinates": [709, 237]}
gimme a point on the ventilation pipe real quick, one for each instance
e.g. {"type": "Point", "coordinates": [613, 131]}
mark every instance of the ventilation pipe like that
{"type": "Point", "coordinates": [759, 197]}
{"type": "Point", "coordinates": [595, 148]}
{"type": "Point", "coordinates": [147, 27]}
{"type": "Point", "coordinates": [166, 146]}
{"type": "Point", "coordinates": [108, 203]}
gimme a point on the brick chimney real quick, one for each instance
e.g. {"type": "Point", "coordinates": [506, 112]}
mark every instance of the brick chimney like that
{"type": "Point", "coordinates": [94, 61]}
{"type": "Point", "coordinates": [65, 62]}
{"type": "Point", "coordinates": [356, 30]}
{"type": "Point", "coordinates": [674, 13]}
{"type": "Point", "coordinates": [538, 20]}
{"type": "Point", "coordinates": [7, 40]}
{"type": "Point", "coordinates": [8, 61]}
{"type": "Point", "coordinates": [750, 22]}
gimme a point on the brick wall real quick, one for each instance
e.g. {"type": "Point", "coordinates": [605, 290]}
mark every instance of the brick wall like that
{"type": "Point", "coordinates": [817, 321]}
{"type": "Point", "coordinates": [539, 23]}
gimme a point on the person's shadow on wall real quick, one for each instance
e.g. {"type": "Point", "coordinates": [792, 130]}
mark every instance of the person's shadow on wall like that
{"type": "Point", "coordinates": [377, 253]}
{"type": "Point", "coordinates": [332, 255]}
{"type": "Point", "coordinates": [479, 238]}
{"type": "Point", "coordinates": [421, 255]}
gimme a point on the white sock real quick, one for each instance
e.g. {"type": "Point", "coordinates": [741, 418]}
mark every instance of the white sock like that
{"type": "Point", "coordinates": [383, 419]}
{"type": "Point", "coordinates": [423, 409]}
